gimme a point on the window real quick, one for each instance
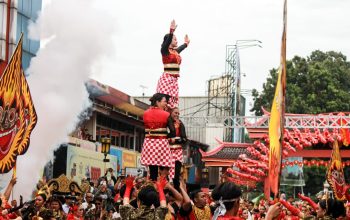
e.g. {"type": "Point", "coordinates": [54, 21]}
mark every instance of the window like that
{"type": "Point", "coordinates": [122, 141]}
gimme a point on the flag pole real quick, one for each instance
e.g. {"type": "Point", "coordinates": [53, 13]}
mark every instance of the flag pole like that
{"type": "Point", "coordinates": [283, 82]}
{"type": "Point", "coordinates": [276, 124]}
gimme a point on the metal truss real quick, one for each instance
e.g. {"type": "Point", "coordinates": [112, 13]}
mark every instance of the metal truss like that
{"type": "Point", "coordinates": [312, 121]}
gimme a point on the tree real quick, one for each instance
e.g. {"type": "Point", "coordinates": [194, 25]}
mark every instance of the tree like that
{"type": "Point", "coordinates": [316, 84]}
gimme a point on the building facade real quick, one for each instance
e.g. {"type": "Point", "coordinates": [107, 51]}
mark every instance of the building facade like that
{"type": "Point", "coordinates": [16, 16]}
{"type": "Point", "coordinates": [115, 115]}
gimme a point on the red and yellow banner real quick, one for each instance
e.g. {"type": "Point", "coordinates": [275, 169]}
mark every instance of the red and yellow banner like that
{"type": "Point", "coordinates": [276, 125]}
{"type": "Point", "coordinates": [17, 114]}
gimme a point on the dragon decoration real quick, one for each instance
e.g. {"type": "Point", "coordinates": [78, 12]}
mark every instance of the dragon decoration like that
{"type": "Point", "coordinates": [252, 167]}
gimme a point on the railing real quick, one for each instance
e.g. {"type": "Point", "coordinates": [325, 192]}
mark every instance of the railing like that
{"type": "Point", "coordinates": [318, 121]}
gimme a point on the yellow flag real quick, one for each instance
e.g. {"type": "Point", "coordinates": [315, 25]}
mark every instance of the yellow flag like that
{"type": "Point", "coordinates": [276, 125]}
{"type": "Point", "coordinates": [17, 113]}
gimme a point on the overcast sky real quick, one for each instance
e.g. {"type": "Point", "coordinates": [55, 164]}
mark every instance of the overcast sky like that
{"type": "Point", "coordinates": [211, 25]}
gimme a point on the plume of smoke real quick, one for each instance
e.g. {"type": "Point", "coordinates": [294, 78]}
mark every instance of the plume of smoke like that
{"type": "Point", "coordinates": [80, 35]}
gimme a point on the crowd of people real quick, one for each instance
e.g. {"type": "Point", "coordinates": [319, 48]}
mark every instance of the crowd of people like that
{"type": "Point", "coordinates": [141, 198]}
{"type": "Point", "coordinates": [163, 193]}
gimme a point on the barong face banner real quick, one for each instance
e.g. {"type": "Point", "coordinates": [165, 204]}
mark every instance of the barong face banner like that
{"type": "Point", "coordinates": [335, 174]}
{"type": "Point", "coordinates": [17, 114]}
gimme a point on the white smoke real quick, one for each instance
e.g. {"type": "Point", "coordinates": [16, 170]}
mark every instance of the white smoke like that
{"type": "Point", "coordinates": [80, 35]}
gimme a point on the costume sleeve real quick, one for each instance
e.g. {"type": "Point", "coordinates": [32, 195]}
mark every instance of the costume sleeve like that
{"type": "Point", "coordinates": [181, 48]}
{"type": "Point", "coordinates": [126, 212]}
{"type": "Point", "coordinates": [185, 213]}
{"type": "Point", "coordinates": [165, 46]}
{"type": "Point", "coordinates": [172, 130]}
{"type": "Point", "coordinates": [161, 213]}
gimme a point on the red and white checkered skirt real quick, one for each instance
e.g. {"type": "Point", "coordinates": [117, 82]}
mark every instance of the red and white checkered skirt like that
{"type": "Point", "coordinates": [176, 155]}
{"type": "Point", "coordinates": [168, 84]}
{"type": "Point", "coordinates": [156, 152]}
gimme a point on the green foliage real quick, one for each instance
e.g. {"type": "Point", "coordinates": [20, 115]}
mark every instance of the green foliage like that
{"type": "Point", "coordinates": [314, 179]}
{"type": "Point", "coordinates": [316, 84]}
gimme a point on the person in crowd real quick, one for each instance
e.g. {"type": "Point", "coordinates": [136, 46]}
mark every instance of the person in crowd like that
{"type": "Point", "coordinates": [112, 181]}
{"type": "Point", "coordinates": [67, 204]}
{"type": "Point", "coordinates": [245, 213]}
{"type": "Point", "coordinates": [148, 197]}
{"type": "Point", "coordinates": [105, 193]}
{"type": "Point", "coordinates": [99, 207]}
{"type": "Point", "coordinates": [177, 140]}
{"type": "Point", "coordinates": [76, 212]}
{"type": "Point", "coordinates": [199, 210]}
{"type": "Point", "coordinates": [227, 195]}
{"type": "Point", "coordinates": [274, 211]}
{"type": "Point", "coordinates": [168, 82]}
{"type": "Point", "coordinates": [56, 206]}
{"type": "Point", "coordinates": [88, 205]}
{"type": "Point", "coordinates": [38, 210]}
{"type": "Point", "coordinates": [174, 201]}
{"type": "Point", "coordinates": [292, 209]}
{"type": "Point", "coordinates": [133, 195]}
{"type": "Point", "coordinates": [139, 181]}
{"type": "Point", "coordinates": [156, 152]}
{"type": "Point", "coordinates": [330, 209]}
{"type": "Point", "coordinates": [12, 211]}
{"type": "Point", "coordinates": [309, 201]}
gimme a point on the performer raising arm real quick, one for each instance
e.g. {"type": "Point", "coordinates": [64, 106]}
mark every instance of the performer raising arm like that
{"type": "Point", "coordinates": [168, 82]}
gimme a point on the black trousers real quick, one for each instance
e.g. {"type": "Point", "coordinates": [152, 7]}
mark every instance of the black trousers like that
{"type": "Point", "coordinates": [153, 172]}
{"type": "Point", "coordinates": [178, 166]}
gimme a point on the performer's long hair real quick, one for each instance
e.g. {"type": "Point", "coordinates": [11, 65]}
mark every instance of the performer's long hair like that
{"type": "Point", "coordinates": [164, 39]}
{"type": "Point", "coordinates": [157, 98]}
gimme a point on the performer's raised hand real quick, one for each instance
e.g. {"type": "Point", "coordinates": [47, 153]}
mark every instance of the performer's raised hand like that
{"type": "Point", "coordinates": [187, 40]}
{"type": "Point", "coordinates": [129, 182]}
{"type": "Point", "coordinates": [173, 25]}
{"type": "Point", "coordinates": [161, 183]}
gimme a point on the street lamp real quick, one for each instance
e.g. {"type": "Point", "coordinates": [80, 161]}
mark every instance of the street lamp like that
{"type": "Point", "coordinates": [106, 146]}
{"type": "Point", "coordinates": [234, 66]}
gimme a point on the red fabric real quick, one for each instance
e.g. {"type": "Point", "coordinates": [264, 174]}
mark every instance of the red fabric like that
{"type": "Point", "coordinates": [156, 152]}
{"type": "Point", "coordinates": [177, 128]}
{"type": "Point", "coordinates": [154, 118]}
{"type": "Point", "coordinates": [160, 185]}
{"type": "Point", "coordinates": [129, 182]}
{"type": "Point", "coordinates": [308, 200]}
{"type": "Point", "coordinates": [12, 215]}
{"type": "Point", "coordinates": [71, 217]}
{"type": "Point", "coordinates": [172, 57]}
{"type": "Point", "coordinates": [176, 155]}
{"type": "Point", "coordinates": [291, 208]}
{"type": "Point", "coordinates": [116, 197]}
{"type": "Point", "coordinates": [168, 84]}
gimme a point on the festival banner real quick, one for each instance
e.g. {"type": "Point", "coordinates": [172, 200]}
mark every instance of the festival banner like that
{"type": "Point", "coordinates": [119, 154]}
{"type": "Point", "coordinates": [293, 175]}
{"type": "Point", "coordinates": [17, 113]}
{"type": "Point", "coordinates": [82, 164]}
{"type": "Point", "coordinates": [129, 159]}
{"type": "Point", "coordinates": [335, 173]}
{"type": "Point", "coordinates": [276, 125]}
